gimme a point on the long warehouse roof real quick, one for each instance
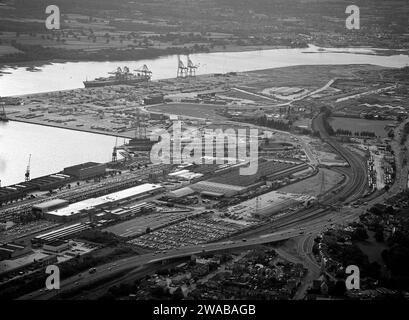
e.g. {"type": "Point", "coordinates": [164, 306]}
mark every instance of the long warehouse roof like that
{"type": "Point", "coordinates": [112, 197]}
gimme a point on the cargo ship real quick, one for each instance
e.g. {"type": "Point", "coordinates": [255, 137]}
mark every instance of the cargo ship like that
{"type": "Point", "coordinates": [121, 76]}
{"type": "Point", "coordinates": [3, 115]}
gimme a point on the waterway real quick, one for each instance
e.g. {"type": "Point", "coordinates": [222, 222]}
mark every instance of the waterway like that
{"type": "Point", "coordinates": [52, 149]}
{"type": "Point", "coordinates": [70, 75]}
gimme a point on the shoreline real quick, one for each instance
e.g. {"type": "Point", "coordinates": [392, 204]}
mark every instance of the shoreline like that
{"type": "Point", "coordinates": [376, 52]}
{"type": "Point", "coordinates": [29, 121]}
{"type": "Point", "coordinates": [41, 63]}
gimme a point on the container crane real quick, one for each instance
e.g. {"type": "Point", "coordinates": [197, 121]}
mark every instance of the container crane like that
{"type": "Point", "coordinates": [182, 69]}
{"type": "Point", "coordinates": [144, 71]}
{"type": "Point", "coordinates": [191, 67]}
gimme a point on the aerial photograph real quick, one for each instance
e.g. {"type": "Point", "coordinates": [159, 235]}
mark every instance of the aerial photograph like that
{"type": "Point", "coordinates": [204, 155]}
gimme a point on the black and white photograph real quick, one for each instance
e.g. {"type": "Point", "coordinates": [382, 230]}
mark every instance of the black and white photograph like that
{"type": "Point", "coordinates": [204, 155]}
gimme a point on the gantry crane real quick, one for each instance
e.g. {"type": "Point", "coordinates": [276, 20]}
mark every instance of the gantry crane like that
{"type": "Point", "coordinates": [182, 69]}
{"type": "Point", "coordinates": [191, 67]}
{"type": "Point", "coordinates": [144, 71]}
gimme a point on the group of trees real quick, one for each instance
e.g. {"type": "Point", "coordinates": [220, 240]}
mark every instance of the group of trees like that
{"type": "Point", "coordinates": [345, 132]}
{"type": "Point", "coordinates": [405, 134]}
{"type": "Point", "coordinates": [270, 123]}
{"type": "Point", "coordinates": [40, 53]}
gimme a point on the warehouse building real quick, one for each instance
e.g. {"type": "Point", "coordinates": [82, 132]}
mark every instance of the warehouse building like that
{"type": "Point", "coordinates": [110, 201]}
{"type": "Point", "coordinates": [45, 183]}
{"type": "Point", "coordinates": [154, 99]}
{"type": "Point", "coordinates": [13, 250]}
{"type": "Point", "coordinates": [44, 207]}
{"type": "Point", "coordinates": [56, 246]}
{"type": "Point", "coordinates": [60, 234]}
{"type": "Point", "coordinates": [128, 212]}
{"type": "Point", "coordinates": [86, 170]}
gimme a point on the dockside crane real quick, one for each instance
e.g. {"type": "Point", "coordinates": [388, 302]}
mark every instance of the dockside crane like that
{"type": "Point", "coordinates": [191, 67]}
{"type": "Point", "coordinates": [114, 151]}
{"type": "Point", "coordinates": [182, 69]}
{"type": "Point", "coordinates": [27, 175]}
{"type": "Point", "coordinates": [144, 71]}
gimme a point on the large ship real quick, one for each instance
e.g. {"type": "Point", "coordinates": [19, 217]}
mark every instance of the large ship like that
{"type": "Point", "coordinates": [121, 76]}
{"type": "Point", "coordinates": [3, 115]}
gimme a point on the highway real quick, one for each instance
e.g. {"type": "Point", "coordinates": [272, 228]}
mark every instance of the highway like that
{"type": "Point", "coordinates": [306, 222]}
{"type": "Point", "coordinates": [128, 264]}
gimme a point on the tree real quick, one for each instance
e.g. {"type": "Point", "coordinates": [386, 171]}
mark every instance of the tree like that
{"type": "Point", "coordinates": [379, 235]}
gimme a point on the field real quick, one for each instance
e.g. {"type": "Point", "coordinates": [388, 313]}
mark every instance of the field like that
{"type": "Point", "coordinates": [203, 111]}
{"type": "Point", "coordinates": [354, 125]}
{"type": "Point", "coordinates": [307, 76]}
{"type": "Point", "coordinates": [313, 186]}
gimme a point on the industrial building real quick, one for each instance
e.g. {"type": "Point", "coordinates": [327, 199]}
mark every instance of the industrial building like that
{"type": "Point", "coordinates": [45, 183]}
{"type": "Point", "coordinates": [219, 189]}
{"type": "Point", "coordinates": [44, 207]}
{"type": "Point", "coordinates": [57, 246]}
{"type": "Point", "coordinates": [86, 170]}
{"type": "Point", "coordinates": [127, 212]}
{"type": "Point", "coordinates": [153, 99]}
{"type": "Point", "coordinates": [13, 250]}
{"type": "Point", "coordinates": [181, 192]}
{"type": "Point", "coordinates": [83, 208]}
{"type": "Point", "coordinates": [230, 183]}
{"type": "Point", "coordinates": [60, 234]}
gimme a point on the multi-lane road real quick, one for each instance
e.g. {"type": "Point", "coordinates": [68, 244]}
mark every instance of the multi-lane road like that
{"type": "Point", "coordinates": [304, 223]}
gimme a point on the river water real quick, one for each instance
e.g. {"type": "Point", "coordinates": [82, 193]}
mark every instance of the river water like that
{"type": "Point", "coordinates": [54, 148]}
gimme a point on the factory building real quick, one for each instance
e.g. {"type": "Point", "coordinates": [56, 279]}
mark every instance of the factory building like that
{"type": "Point", "coordinates": [45, 183]}
{"type": "Point", "coordinates": [153, 99]}
{"type": "Point", "coordinates": [57, 246]}
{"type": "Point", "coordinates": [60, 234]}
{"type": "Point", "coordinates": [44, 207]}
{"type": "Point", "coordinates": [86, 170]}
{"type": "Point", "coordinates": [181, 193]}
{"type": "Point", "coordinates": [110, 201]}
{"type": "Point", "coordinates": [13, 250]}
{"type": "Point", "coordinates": [127, 212]}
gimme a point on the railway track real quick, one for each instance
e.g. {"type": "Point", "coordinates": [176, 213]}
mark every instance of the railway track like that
{"type": "Point", "coordinates": [353, 189]}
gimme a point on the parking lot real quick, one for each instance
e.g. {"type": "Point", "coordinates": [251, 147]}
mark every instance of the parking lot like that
{"type": "Point", "coordinates": [187, 233]}
{"type": "Point", "coordinates": [138, 225]}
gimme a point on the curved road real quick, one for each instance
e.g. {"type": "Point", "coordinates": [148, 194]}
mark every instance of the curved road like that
{"type": "Point", "coordinates": [304, 222]}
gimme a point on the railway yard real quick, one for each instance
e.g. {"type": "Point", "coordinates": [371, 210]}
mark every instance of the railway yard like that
{"type": "Point", "coordinates": [312, 170]}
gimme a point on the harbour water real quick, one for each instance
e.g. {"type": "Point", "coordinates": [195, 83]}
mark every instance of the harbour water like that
{"type": "Point", "coordinates": [53, 148]}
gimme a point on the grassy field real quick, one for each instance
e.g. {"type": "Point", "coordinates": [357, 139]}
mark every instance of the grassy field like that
{"type": "Point", "coordinates": [313, 185]}
{"type": "Point", "coordinates": [308, 76]}
{"type": "Point", "coordinates": [354, 125]}
{"type": "Point", "coordinates": [203, 111]}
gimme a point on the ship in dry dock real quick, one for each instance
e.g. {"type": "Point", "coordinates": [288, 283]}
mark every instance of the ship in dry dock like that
{"type": "Point", "coordinates": [121, 76]}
